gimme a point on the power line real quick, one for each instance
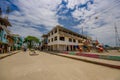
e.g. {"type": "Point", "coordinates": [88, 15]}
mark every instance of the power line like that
{"type": "Point", "coordinates": [98, 14]}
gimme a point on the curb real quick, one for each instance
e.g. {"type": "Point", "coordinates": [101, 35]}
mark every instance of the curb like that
{"type": "Point", "coordinates": [8, 55]}
{"type": "Point", "coordinates": [107, 57]}
{"type": "Point", "coordinates": [94, 62]}
{"type": "Point", "coordinates": [89, 61]}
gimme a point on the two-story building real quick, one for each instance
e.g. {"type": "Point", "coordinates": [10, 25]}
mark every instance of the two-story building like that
{"type": "Point", "coordinates": [15, 41]}
{"type": "Point", "coordinates": [18, 41]}
{"type": "Point", "coordinates": [62, 39]}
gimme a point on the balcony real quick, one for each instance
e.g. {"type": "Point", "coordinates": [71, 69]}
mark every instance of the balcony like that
{"type": "Point", "coordinates": [69, 35]}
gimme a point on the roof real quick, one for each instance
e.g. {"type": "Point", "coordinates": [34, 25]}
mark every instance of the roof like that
{"type": "Point", "coordinates": [58, 26]}
{"type": "Point", "coordinates": [5, 21]}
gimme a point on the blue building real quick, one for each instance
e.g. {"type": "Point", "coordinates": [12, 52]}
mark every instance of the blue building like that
{"type": "Point", "coordinates": [18, 42]}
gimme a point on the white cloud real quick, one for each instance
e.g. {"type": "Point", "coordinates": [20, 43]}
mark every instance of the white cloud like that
{"type": "Point", "coordinates": [43, 12]}
{"type": "Point", "coordinates": [35, 12]}
{"type": "Point", "coordinates": [106, 11]}
{"type": "Point", "coordinates": [23, 31]}
{"type": "Point", "coordinates": [77, 14]}
{"type": "Point", "coordinates": [82, 13]}
{"type": "Point", "coordinates": [72, 3]}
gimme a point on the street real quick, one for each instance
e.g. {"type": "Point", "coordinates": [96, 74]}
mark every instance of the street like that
{"type": "Point", "coordinates": [44, 66]}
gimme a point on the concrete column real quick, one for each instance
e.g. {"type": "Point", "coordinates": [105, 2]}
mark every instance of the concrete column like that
{"type": "Point", "coordinates": [52, 47]}
{"type": "Point", "coordinates": [58, 47]}
{"type": "Point", "coordinates": [72, 47]}
{"type": "Point", "coordinates": [69, 48]}
{"type": "Point", "coordinates": [65, 49]}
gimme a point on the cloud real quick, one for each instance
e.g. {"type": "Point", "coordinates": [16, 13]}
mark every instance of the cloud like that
{"type": "Point", "coordinates": [26, 31]}
{"type": "Point", "coordinates": [100, 19]}
{"type": "Point", "coordinates": [35, 17]}
{"type": "Point", "coordinates": [33, 13]}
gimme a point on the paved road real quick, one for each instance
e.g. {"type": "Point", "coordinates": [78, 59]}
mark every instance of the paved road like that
{"type": "Point", "coordinates": [45, 66]}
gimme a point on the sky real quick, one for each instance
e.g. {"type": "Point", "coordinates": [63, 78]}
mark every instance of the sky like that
{"type": "Point", "coordinates": [37, 17]}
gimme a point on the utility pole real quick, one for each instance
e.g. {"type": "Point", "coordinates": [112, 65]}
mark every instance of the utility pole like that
{"type": "Point", "coordinates": [117, 39]}
{"type": "Point", "coordinates": [82, 30]}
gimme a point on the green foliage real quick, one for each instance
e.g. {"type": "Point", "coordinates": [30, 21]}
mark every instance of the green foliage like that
{"type": "Point", "coordinates": [31, 40]}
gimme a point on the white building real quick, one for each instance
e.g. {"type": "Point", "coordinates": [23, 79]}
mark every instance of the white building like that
{"type": "Point", "coordinates": [62, 39]}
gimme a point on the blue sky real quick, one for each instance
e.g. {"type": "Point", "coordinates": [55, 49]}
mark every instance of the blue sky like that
{"type": "Point", "coordinates": [36, 17]}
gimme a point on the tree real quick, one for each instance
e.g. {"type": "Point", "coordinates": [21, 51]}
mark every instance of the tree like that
{"type": "Point", "coordinates": [31, 41]}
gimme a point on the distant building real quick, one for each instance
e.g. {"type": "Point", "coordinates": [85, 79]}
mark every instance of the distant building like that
{"type": "Point", "coordinates": [18, 41]}
{"type": "Point", "coordinates": [62, 39]}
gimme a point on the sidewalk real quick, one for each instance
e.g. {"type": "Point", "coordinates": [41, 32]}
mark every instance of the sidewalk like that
{"type": "Point", "coordinates": [103, 62]}
{"type": "Point", "coordinates": [4, 55]}
{"type": "Point", "coordinates": [108, 56]}
{"type": "Point", "coordinates": [110, 52]}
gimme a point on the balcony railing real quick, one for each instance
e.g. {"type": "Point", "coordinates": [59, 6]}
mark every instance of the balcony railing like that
{"type": "Point", "coordinates": [69, 35]}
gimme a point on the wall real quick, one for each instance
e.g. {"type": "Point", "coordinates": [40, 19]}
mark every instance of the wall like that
{"type": "Point", "coordinates": [3, 36]}
{"type": "Point", "coordinates": [66, 42]}
{"type": "Point", "coordinates": [62, 45]}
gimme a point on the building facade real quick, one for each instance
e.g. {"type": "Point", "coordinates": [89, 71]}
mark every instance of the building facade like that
{"type": "Point", "coordinates": [3, 35]}
{"type": "Point", "coordinates": [44, 42]}
{"type": "Point", "coordinates": [8, 41]}
{"type": "Point", "coordinates": [18, 41]}
{"type": "Point", "coordinates": [4, 23]}
{"type": "Point", "coordinates": [62, 39]}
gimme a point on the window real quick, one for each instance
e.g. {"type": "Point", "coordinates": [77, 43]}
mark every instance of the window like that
{"type": "Point", "coordinates": [52, 33]}
{"type": "Point", "coordinates": [64, 31]}
{"type": "Point", "coordinates": [48, 35]}
{"type": "Point", "coordinates": [62, 38]}
{"type": "Point", "coordinates": [60, 30]}
{"type": "Point", "coordinates": [55, 30]}
{"type": "Point", "coordinates": [79, 41]}
{"type": "Point", "coordinates": [52, 40]}
{"type": "Point", "coordinates": [49, 40]}
{"type": "Point", "coordinates": [55, 38]}
{"type": "Point", "coordinates": [74, 40]}
{"type": "Point", "coordinates": [70, 40]}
